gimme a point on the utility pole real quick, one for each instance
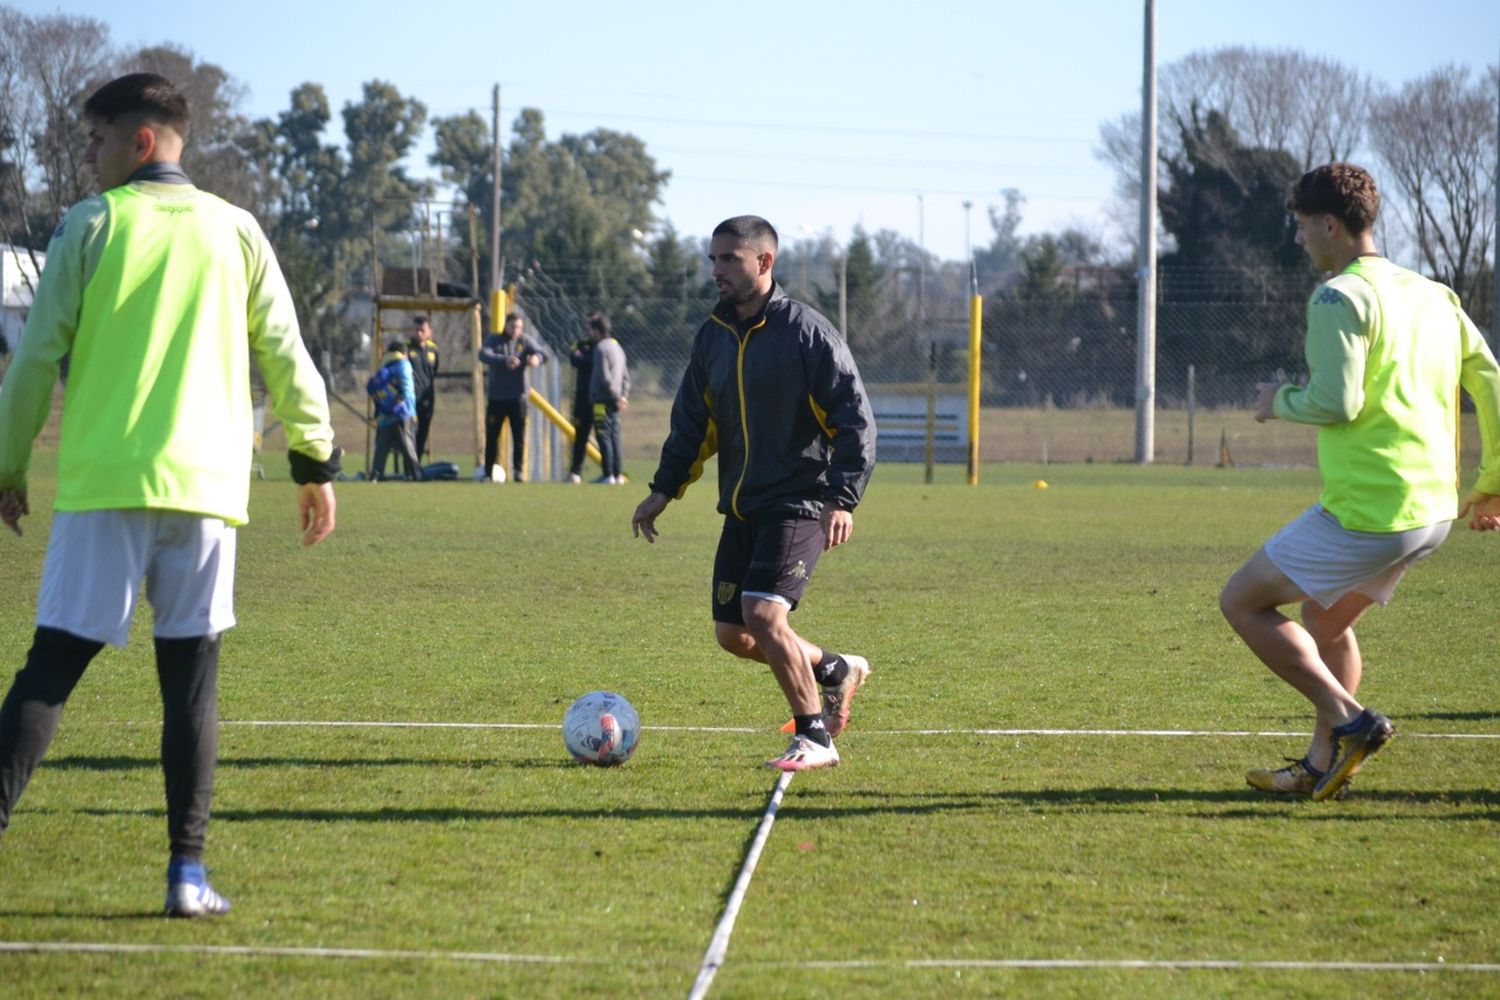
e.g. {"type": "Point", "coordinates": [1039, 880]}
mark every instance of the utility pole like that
{"type": "Point", "coordinates": [921, 262]}
{"type": "Point", "coordinates": [968, 240]}
{"type": "Point", "coordinates": [1145, 354]}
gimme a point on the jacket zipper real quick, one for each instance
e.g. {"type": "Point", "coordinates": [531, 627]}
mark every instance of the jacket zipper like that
{"type": "Point", "coordinates": [739, 372]}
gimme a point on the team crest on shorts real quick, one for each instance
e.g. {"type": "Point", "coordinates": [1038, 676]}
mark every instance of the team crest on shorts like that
{"type": "Point", "coordinates": [725, 592]}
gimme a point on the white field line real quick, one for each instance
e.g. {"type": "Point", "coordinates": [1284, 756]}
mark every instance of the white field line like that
{"type": "Point", "coordinates": [261, 951]}
{"type": "Point", "coordinates": [1146, 964]}
{"type": "Point", "coordinates": [1208, 733]}
{"type": "Point", "coordinates": [1404, 734]}
{"type": "Point", "coordinates": [501, 958]}
{"type": "Point", "coordinates": [718, 945]}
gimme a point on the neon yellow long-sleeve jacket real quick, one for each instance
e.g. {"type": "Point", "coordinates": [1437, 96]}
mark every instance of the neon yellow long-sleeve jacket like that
{"type": "Point", "coordinates": [160, 294]}
{"type": "Point", "coordinates": [1387, 350]}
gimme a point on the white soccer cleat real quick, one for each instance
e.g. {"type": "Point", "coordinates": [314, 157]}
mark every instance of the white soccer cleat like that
{"type": "Point", "coordinates": [190, 899]}
{"type": "Point", "coordinates": [804, 755]}
{"type": "Point", "coordinates": [836, 699]}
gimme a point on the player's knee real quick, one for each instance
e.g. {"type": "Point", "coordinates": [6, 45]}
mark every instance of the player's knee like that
{"type": "Point", "coordinates": [1227, 604]}
{"type": "Point", "coordinates": [735, 639]}
{"type": "Point", "coordinates": [1237, 606]}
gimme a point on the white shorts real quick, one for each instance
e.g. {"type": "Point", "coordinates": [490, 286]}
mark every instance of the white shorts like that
{"type": "Point", "coordinates": [96, 560]}
{"type": "Point", "coordinates": [1326, 560]}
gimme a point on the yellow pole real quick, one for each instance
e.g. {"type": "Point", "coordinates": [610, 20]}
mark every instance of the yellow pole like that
{"type": "Point", "coordinates": [499, 306]}
{"type": "Point", "coordinates": [976, 318]}
{"type": "Point", "coordinates": [563, 423]}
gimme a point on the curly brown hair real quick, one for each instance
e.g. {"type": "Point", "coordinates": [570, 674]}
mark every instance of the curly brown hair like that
{"type": "Point", "coordinates": [1342, 190]}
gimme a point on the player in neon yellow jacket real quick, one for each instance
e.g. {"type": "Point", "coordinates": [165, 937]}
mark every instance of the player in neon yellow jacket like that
{"type": "Point", "coordinates": [1386, 350]}
{"type": "Point", "coordinates": [159, 294]}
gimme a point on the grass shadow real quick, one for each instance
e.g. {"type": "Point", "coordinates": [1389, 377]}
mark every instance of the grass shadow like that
{"type": "Point", "coordinates": [1107, 799]}
{"type": "Point", "coordinates": [79, 762]}
{"type": "Point", "coordinates": [89, 915]}
{"type": "Point", "coordinates": [1487, 715]}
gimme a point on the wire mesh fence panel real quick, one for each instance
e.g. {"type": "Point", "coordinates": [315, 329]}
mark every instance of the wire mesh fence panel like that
{"type": "Point", "coordinates": [1058, 376]}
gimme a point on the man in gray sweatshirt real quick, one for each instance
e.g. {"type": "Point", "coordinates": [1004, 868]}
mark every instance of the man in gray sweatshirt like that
{"type": "Point", "coordinates": [609, 391]}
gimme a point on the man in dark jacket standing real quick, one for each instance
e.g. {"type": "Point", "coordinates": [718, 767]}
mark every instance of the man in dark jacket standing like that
{"type": "Point", "coordinates": [423, 354]}
{"type": "Point", "coordinates": [581, 357]}
{"type": "Point", "coordinates": [772, 387]}
{"type": "Point", "coordinates": [508, 356]}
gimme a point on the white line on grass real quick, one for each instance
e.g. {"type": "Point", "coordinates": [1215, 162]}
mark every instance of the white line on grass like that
{"type": "Point", "coordinates": [1155, 732]}
{"type": "Point", "coordinates": [259, 951]}
{"type": "Point", "coordinates": [718, 945]}
{"type": "Point", "coordinates": [1063, 963]}
{"type": "Point", "coordinates": [1141, 963]}
{"type": "Point", "coordinates": [501, 958]}
{"type": "Point", "coordinates": [1208, 733]}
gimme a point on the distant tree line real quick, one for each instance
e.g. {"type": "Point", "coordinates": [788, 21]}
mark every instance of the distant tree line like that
{"type": "Point", "coordinates": [1238, 125]}
{"type": "Point", "coordinates": [581, 233]}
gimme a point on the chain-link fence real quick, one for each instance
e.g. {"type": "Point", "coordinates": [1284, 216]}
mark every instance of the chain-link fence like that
{"type": "Point", "coordinates": [1058, 374]}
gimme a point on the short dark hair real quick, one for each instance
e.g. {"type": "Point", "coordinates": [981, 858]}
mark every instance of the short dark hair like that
{"type": "Point", "coordinates": [418, 320]}
{"type": "Point", "coordinates": [396, 345]}
{"type": "Point", "coordinates": [748, 229]}
{"type": "Point", "coordinates": [1342, 190]}
{"type": "Point", "coordinates": [511, 316]}
{"type": "Point", "coordinates": [599, 323]}
{"type": "Point", "coordinates": [153, 98]}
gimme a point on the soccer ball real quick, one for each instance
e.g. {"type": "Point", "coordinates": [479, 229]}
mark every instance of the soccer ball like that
{"type": "Point", "coordinates": [601, 728]}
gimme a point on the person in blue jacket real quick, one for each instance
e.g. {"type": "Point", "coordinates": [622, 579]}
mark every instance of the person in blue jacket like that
{"type": "Point", "coordinates": [395, 399]}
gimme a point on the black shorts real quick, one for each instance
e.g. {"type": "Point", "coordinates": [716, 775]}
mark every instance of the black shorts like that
{"type": "Point", "coordinates": [765, 557]}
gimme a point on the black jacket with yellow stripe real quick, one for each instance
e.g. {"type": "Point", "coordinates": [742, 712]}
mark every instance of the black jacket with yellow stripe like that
{"type": "Point", "coordinates": [779, 399]}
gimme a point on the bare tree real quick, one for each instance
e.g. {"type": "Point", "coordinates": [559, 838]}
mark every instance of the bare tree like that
{"type": "Point", "coordinates": [63, 58]}
{"type": "Point", "coordinates": [1436, 138]}
{"type": "Point", "coordinates": [46, 64]}
{"type": "Point", "coordinates": [1309, 106]}
{"type": "Point", "coordinates": [13, 150]}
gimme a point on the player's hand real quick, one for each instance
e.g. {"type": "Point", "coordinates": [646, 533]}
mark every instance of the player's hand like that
{"type": "Point", "coordinates": [13, 507]}
{"type": "Point", "coordinates": [623, 404]}
{"type": "Point", "coordinates": [643, 521]}
{"type": "Point", "coordinates": [1485, 511]}
{"type": "Point", "coordinates": [838, 525]}
{"type": "Point", "coordinates": [1265, 396]}
{"type": "Point", "coordinates": [315, 509]}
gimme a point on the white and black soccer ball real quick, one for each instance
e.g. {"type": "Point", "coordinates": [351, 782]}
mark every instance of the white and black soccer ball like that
{"type": "Point", "coordinates": [601, 728]}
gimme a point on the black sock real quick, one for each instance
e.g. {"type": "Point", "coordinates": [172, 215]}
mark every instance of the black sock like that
{"type": "Point", "coordinates": [813, 728]}
{"type": "Point", "coordinates": [187, 671]}
{"type": "Point", "coordinates": [30, 712]}
{"type": "Point", "coordinates": [1352, 726]}
{"type": "Point", "coordinates": [831, 669]}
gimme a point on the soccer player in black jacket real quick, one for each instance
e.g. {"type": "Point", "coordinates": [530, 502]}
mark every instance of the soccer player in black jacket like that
{"type": "Point", "coordinates": [772, 388]}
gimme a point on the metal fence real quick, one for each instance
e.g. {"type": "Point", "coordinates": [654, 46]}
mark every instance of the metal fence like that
{"type": "Point", "coordinates": [1058, 379]}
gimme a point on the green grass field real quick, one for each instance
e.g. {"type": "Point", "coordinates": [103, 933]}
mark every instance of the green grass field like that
{"type": "Point", "coordinates": [476, 860]}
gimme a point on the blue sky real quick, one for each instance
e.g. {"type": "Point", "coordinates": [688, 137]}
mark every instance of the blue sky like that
{"type": "Point", "coordinates": [818, 115]}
